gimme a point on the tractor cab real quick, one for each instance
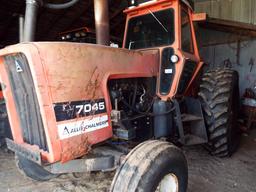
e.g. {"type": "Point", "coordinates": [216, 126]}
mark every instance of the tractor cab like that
{"type": "Point", "coordinates": [166, 25]}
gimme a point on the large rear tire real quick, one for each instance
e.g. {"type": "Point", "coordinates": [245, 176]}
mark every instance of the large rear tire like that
{"type": "Point", "coordinates": [219, 94]}
{"type": "Point", "coordinates": [33, 170]}
{"type": "Point", "coordinates": [152, 166]}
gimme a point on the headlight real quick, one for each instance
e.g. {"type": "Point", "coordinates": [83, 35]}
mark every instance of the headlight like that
{"type": "Point", "coordinates": [174, 58]}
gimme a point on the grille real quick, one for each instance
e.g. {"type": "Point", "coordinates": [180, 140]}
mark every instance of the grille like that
{"type": "Point", "coordinates": [25, 99]}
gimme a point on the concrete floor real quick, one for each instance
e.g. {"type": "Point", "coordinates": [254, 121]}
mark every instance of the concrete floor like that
{"type": "Point", "coordinates": [206, 174]}
{"type": "Point", "coordinates": [235, 174]}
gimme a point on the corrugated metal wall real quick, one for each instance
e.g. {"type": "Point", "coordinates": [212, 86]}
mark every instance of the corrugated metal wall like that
{"type": "Point", "coordinates": [235, 10]}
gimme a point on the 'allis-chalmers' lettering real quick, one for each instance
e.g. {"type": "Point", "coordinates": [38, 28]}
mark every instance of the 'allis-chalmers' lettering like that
{"type": "Point", "coordinates": [83, 128]}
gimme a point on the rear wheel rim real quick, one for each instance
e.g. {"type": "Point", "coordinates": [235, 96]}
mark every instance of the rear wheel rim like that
{"type": "Point", "coordinates": [169, 183]}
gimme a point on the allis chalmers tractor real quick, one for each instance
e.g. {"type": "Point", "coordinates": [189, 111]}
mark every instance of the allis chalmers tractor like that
{"type": "Point", "coordinates": [77, 107]}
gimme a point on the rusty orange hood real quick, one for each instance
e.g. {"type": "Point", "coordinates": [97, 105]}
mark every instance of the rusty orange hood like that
{"type": "Point", "coordinates": [66, 72]}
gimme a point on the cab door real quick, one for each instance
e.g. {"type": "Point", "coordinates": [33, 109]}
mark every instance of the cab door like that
{"type": "Point", "coordinates": [189, 50]}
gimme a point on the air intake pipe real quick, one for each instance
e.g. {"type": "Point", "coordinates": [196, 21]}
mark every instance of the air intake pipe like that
{"type": "Point", "coordinates": [30, 19]}
{"type": "Point", "coordinates": [61, 6]}
{"type": "Point", "coordinates": [101, 22]}
{"type": "Point", "coordinates": [32, 7]}
{"type": "Point", "coordinates": [21, 28]}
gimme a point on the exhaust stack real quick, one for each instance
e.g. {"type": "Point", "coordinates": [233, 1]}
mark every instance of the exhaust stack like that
{"type": "Point", "coordinates": [101, 22]}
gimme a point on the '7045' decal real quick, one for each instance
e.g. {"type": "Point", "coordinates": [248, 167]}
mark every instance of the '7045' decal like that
{"type": "Point", "coordinates": [74, 109]}
{"type": "Point", "coordinates": [89, 107]}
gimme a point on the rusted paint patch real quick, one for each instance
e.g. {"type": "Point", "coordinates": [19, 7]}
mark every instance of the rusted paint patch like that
{"type": "Point", "coordinates": [75, 147]}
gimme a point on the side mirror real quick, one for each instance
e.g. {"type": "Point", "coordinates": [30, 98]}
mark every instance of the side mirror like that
{"type": "Point", "coordinates": [199, 17]}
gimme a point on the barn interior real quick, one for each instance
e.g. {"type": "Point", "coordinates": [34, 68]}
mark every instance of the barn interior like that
{"type": "Point", "coordinates": [226, 39]}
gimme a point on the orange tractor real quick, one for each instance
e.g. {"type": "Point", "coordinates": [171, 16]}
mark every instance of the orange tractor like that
{"type": "Point", "coordinates": [77, 107]}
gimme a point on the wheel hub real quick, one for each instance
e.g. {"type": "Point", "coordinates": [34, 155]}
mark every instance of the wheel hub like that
{"type": "Point", "coordinates": [168, 184]}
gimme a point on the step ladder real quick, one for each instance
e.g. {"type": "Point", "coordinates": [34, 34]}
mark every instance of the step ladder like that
{"type": "Point", "coordinates": [191, 125]}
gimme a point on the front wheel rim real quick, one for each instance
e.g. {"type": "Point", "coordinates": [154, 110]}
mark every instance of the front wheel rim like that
{"type": "Point", "coordinates": [169, 183]}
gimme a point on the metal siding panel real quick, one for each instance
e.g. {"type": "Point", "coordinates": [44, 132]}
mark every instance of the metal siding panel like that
{"type": "Point", "coordinates": [226, 9]}
{"type": "Point", "coordinates": [203, 7]}
{"type": "Point", "coordinates": [236, 6]}
{"type": "Point", "coordinates": [253, 8]}
{"type": "Point", "coordinates": [215, 9]}
{"type": "Point", "coordinates": [245, 11]}
{"type": "Point", "coordinates": [235, 10]}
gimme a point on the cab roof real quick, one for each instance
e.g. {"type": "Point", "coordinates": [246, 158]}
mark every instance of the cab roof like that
{"type": "Point", "coordinates": [145, 3]}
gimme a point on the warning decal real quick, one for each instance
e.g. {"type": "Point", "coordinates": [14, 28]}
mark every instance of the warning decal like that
{"type": "Point", "coordinates": [72, 129]}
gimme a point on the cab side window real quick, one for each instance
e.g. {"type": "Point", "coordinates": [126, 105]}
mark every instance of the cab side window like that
{"type": "Point", "coordinates": [186, 36]}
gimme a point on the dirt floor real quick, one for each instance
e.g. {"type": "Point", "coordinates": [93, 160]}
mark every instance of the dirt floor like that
{"type": "Point", "coordinates": [206, 173]}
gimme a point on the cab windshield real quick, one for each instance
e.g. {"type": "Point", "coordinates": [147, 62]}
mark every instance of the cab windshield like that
{"type": "Point", "coordinates": [151, 30]}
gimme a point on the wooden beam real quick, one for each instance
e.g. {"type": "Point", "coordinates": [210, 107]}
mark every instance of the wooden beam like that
{"type": "Point", "coordinates": [235, 27]}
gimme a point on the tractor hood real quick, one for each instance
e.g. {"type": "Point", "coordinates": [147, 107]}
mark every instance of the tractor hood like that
{"type": "Point", "coordinates": [41, 79]}
{"type": "Point", "coordinates": [71, 67]}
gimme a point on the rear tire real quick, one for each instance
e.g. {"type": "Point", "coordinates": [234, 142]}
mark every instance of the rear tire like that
{"type": "Point", "coordinates": [151, 165]}
{"type": "Point", "coordinates": [32, 170]}
{"type": "Point", "coordinates": [219, 94]}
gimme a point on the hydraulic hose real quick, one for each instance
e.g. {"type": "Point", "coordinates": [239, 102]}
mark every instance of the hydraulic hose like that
{"type": "Point", "coordinates": [60, 6]}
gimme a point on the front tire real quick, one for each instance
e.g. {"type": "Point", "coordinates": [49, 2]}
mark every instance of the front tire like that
{"type": "Point", "coordinates": [219, 94]}
{"type": "Point", "coordinates": [152, 166]}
